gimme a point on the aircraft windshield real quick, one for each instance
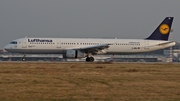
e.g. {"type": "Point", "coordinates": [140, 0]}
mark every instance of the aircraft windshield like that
{"type": "Point", "coordinates": [13, 42]}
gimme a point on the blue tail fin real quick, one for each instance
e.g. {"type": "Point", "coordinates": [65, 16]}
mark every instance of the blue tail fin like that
{"type": "Point", "coordinates": [163, 30]}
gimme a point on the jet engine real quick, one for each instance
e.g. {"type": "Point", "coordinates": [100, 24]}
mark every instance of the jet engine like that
{"type": "Point", "coordinates": [74, 54]}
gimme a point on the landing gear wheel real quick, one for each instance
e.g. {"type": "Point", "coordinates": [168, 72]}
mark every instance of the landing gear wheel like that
{"type": "Point", "coordinates": [90, 59]}
{"type": "Point", "coordinates": [87, 59]}
{"type": "Point", "coordinates": [23, 59]}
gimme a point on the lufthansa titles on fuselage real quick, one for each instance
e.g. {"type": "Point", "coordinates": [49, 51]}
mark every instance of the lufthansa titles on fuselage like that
{"type": "Point", "coordinates": [39, 40]}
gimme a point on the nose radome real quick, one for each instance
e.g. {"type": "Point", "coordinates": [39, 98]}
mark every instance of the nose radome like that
{"type": "Point", "coordinates": [7, 47]}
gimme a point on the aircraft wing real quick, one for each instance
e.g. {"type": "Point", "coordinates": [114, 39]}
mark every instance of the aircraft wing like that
{"type": "Point", "coordinates": [94, 49]}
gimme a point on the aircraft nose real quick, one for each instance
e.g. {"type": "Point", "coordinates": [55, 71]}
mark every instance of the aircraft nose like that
{"type": "Point", "coordinates": [7, 47]}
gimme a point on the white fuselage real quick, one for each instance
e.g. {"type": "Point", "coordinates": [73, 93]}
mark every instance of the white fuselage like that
{"type": "Point", "coordinates": [60, 45]}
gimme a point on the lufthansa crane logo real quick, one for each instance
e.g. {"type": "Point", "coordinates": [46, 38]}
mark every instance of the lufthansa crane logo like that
{"type": "Point", "coordinates": [164, 29]}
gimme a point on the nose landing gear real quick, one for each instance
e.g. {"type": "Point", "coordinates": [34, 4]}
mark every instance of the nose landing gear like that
{"type": "Point", "coordinates": [24, 57]}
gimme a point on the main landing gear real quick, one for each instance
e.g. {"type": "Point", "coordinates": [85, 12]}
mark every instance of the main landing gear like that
{"type": "Point", "coordinates": [89, 59]}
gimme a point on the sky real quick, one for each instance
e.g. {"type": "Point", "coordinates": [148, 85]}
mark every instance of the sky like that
{"type": "Point", "coordinates": [124, 19]}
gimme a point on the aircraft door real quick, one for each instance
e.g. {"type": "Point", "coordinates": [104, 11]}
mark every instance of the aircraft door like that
{"type": "Point", "coordinates": [24, 43]}
{"type": "Point", "coordinates": [101, 42]}
{"type": "Point", "coordinates": [58, 44]}
{"type": "Point", "coordinates": [146, 45]}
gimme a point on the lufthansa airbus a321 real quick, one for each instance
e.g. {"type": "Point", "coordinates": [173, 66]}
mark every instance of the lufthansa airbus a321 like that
{"type": "Point", "coordinates": [87, 47]}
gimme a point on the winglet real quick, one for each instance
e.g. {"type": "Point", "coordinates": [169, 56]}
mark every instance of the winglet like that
{"type": "Point", "coordinates": [163, 30]}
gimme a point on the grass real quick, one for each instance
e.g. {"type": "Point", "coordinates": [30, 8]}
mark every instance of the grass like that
{"type": "Point", "coordinates": [89, 82]}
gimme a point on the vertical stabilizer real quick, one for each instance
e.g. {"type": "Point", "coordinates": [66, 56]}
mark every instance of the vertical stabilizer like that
{"type": "Point", "coordinates": [163, 30]}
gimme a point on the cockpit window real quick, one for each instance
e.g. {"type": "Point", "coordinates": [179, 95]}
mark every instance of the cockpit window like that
{"type": "Point", "coordinates": [13, 42]}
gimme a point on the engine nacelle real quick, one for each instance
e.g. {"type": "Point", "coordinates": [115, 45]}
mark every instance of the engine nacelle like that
{"type": "Point", "coordinates": [75, 54]}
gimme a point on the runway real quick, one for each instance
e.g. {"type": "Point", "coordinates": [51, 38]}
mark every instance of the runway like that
{"type": "Point", "coordinates": [82, 62]}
